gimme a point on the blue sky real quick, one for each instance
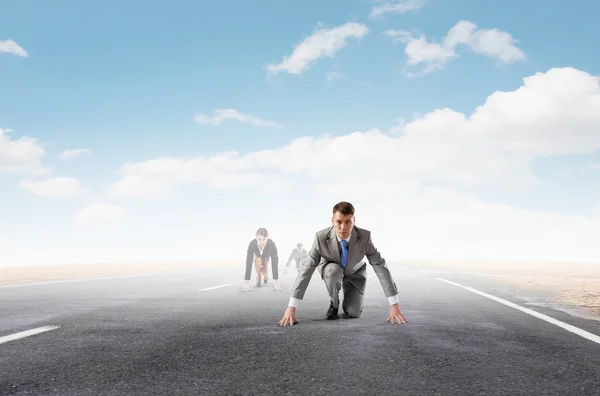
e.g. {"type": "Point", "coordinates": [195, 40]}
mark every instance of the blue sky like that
{"type": "Point", "coordinates": [128, 82]}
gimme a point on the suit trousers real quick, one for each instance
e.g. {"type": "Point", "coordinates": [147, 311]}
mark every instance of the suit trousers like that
{"type": "Point", "coordinates": [299, 262]}
{"type": "Point", "coordinates": [261, 266]}
{"type": "Point", "coordinates": [353, 285]}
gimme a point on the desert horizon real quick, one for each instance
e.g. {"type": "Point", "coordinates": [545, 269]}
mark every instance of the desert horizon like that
{"type": "Point", "coordinates": [573, 284]}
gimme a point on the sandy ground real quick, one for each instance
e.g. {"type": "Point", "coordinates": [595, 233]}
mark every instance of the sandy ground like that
{"type": "Point", "coordinates": [574, 285]}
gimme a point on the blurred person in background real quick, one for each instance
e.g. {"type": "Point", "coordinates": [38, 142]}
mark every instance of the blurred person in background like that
{"type": "Point", "coordinates": [261, 249]}
{"type": "Point", "coordinates": [299, 254]}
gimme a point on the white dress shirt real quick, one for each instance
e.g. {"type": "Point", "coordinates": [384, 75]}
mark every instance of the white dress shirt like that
{"type": "Point", "coordinates": [294, 301]}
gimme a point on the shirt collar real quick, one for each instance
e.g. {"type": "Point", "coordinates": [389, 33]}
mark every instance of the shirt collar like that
{"type": "Point", "coordinates": [340, 239]}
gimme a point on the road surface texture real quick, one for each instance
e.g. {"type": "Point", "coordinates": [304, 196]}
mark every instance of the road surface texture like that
{"type": "Point", "coordinates": [196, 333]}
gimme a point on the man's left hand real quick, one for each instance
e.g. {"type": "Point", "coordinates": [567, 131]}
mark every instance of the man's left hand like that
{"type": "Point", "coordinates": [396, 315]}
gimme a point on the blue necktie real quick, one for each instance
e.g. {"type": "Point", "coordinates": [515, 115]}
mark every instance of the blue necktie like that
{"type": "Point", "coordinates": [344, 253]}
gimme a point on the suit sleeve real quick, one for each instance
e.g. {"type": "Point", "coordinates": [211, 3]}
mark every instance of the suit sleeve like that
{"type": "Point", "coordinates": [249, 255]}
{"type": "Point", "coordinates": [381, 269]}
{"type": "Point", "coordinates": [274, 260]}
{"type": "Point", "coordinates": [307, 269]}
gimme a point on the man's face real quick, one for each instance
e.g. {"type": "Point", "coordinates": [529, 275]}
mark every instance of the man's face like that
{"type": "Point", "coordinates": [262, 241]}
{"type": "Point", "coordinates": [343, 224]}
{"type": "Point", "coordinates": [299, 248]}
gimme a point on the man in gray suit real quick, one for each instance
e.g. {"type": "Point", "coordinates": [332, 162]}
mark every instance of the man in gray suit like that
{"type": "Point", "coordinates": [338, 253]}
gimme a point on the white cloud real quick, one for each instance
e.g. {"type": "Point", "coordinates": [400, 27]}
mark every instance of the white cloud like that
{"type": "Point", "coordinates": [591, 167]}
{"type": "Point", "coordinates": [10, 47]}
{"type": "Point", "coordinates": [100, 214]}
{"type": "Point", "coordinates": [596, 212]}
{"type": "Point", "coordinates": [142, 186]}
{"type": "Point", "coordinates": [416, 189]}
{"type": "Point", "coordinates": [333, 74]}
{"type": "Point", "coordinates": [73, 153]}
{"type": "Point", "coordinates": [157, 178]}
{"type": "Point", "coordinates": [418, 185]}
{"type": "Point", "coordinates": [419, 50]}
{"type": "Point", "coordinates": [322, 43]}
{"type": "Point", "coordinates": [493, 43]}
{"type": "Point", "coordinates": [553, 113]}
{"type": "Point", "coordinates": [56, 187]}
{"type": "Point", "coordinates": [221, 115]}
{"type": "Point", "coordinates": [398, 7]}
{"type": "Point", "coordinates": [20, 156]}
{"type": "Point", "coordinates": [397, 126]}
{"type": "Point", "coordinates": [443, 223]}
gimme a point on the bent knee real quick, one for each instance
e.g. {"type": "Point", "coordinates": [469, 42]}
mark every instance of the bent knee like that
{"type": "Point", "coordinates": [353, 312]}
{"type": "Point", "coordinates": [332, 270]}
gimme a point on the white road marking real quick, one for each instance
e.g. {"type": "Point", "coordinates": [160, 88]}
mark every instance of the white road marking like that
{"type": "Point", "coordinates": [216, 287]}
{"type": "Point", "coordinates": [27, 333]}
{"type": "Point", "coordinates": [566, 326]}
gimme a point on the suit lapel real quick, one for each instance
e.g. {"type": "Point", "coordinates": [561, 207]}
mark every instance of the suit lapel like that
{"type": "Point", "coordinates": [334, 246]}
{"type": "Point", "coordinates": [353, 247]}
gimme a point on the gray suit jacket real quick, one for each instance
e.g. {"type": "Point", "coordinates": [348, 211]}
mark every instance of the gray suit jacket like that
{"type": "Point", "coordinates": [325, 249]}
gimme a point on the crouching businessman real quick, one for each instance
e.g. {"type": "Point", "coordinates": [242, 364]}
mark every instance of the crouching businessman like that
{"type": "Point", "coordinates": [338, 251]}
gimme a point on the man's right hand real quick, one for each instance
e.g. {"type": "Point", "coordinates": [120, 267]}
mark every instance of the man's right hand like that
{"type": "Point", "coordinates": [289, 317]}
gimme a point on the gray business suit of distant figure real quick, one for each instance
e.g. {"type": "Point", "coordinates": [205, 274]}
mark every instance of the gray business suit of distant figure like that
{"type": "Point", "coordinates": [299, 254]}
{"type": "Point", "coordinates": [325, 255]}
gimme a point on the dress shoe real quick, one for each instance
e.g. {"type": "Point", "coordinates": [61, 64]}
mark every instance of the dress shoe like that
{"type": "Point", "coordinates": [332, 312]}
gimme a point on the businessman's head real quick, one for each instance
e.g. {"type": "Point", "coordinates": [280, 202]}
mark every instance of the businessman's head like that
{"type": "Point", "coordinates": [262, 236]}
{"type": "Point", "coordinates": [343, 219]}
{"type": "Point", "coordinates": [299, 247]}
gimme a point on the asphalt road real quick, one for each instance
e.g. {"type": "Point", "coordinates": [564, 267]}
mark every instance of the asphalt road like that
{"type": "Point", "coordinates": [181, 334]}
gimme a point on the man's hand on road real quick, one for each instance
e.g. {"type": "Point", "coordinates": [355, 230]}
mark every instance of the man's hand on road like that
{"type": "Point", "coordinates": [289, 317]}
{"type": "Point", "coordinates": [395, 314]}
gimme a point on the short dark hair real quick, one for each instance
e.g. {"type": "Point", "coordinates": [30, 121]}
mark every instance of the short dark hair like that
{"type": "Point", "coordinates": [262, 232]}
{"type": "Point", "coordinates": [299, 245]}
{"type": "Point", "coordinates": [344, 208]}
